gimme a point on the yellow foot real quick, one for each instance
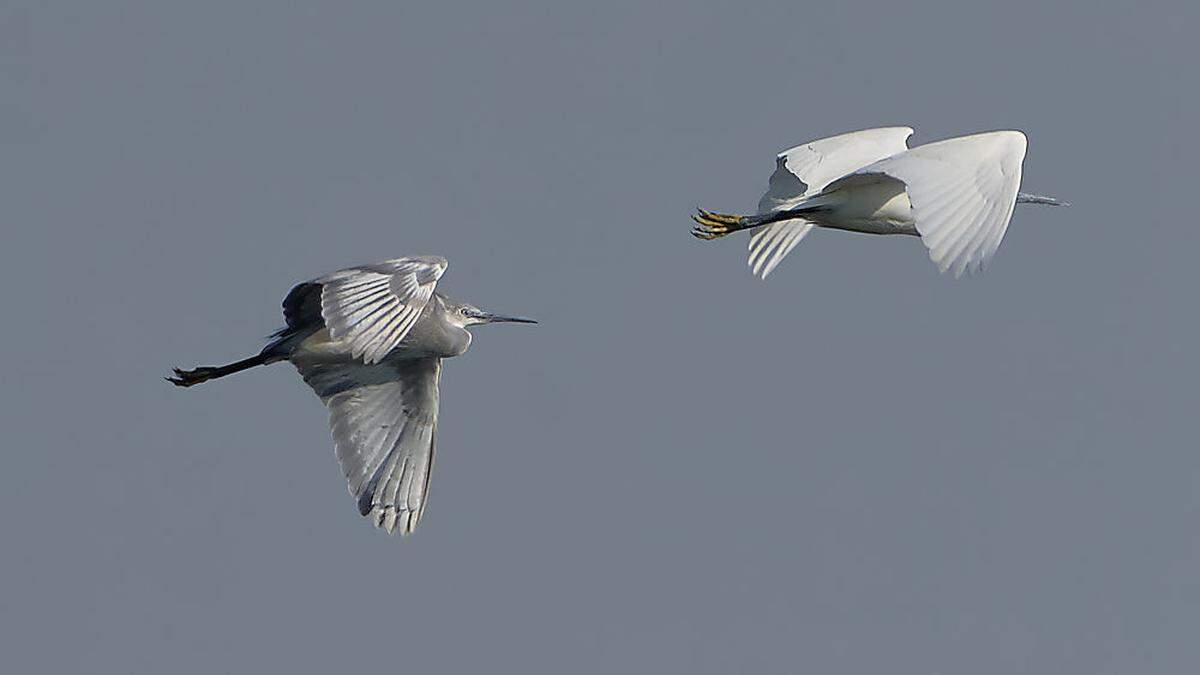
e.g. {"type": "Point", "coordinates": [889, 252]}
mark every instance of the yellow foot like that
{"type": "Point", "coordinates": [712, 225]}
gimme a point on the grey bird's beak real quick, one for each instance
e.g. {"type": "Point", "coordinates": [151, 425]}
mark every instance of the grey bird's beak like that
{"type": "Point", "coordinates": [488, 317]}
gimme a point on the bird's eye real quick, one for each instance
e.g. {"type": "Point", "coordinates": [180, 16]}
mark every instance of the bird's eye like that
{"type": "Point", "coordinates": [464, 311]}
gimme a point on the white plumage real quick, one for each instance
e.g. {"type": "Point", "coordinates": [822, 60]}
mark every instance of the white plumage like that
{"type": "Point", "coordinates": [957, 195]}
{"type": "Point", "coordinates": [807, 169]}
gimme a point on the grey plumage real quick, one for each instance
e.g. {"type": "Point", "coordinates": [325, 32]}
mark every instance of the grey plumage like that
{"type": "Point", "coordinates": [370, 341]}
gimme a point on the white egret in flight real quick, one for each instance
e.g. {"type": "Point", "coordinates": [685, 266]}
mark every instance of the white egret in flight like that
{"type": "Point", "coordinates": [957, 195]}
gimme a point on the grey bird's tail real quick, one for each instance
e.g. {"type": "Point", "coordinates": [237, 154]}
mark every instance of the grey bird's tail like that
{"type": "Point", "coordinates": [188, 378]}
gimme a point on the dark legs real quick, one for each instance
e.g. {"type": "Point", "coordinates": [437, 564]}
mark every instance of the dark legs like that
{"type": "Point", "coordinates": [187, 378]}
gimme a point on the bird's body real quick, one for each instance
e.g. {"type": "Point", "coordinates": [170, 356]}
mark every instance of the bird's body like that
{"type": "Point", "coordinates": [877, 208]}
{"type": "Point", "coordinates": [370, 340]}
{"type": "Point", "coordinates": [430, 336]}
{"type": "Point", "coordinates": [957, 195]}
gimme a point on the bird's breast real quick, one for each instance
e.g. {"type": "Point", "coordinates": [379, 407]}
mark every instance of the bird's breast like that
{"type": "Point", "coordinates": [425, 339]}
{"type": "Point", "coordinates": [875, 208]}
{"type": "Point", "coordinates": [321, 346]}
{"type": "Point", "coordinates": [434, 337]}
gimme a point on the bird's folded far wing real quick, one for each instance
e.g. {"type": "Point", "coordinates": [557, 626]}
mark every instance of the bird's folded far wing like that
{"type": "Point", "coordinates": [373, 307]}
{"type": "Point", "coordinates": [770, 244]}
{"type": "Point", "coordinates": [807, 169]}
{"type": "Point", "coordinates": [383, 419]}
{"type": "Point", "coordinates": [962, 192]}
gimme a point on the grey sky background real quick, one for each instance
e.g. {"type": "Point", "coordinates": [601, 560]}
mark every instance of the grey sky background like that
{"type": "Point", "coordinates": [859, 466]}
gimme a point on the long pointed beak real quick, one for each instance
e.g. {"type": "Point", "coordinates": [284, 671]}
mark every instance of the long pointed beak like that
{"type": "Point", "coordinates": [488, 317]}
{"type": "Point", "coordinates": [1030, 198]}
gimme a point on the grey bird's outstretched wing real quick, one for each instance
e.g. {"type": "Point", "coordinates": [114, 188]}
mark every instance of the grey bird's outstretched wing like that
{"type": "Point", "coordinates": [372, 307]}
{"type": "Point", "coordinates": [805, 170]}
{"type": "Point", "coordinates": [383, 418]}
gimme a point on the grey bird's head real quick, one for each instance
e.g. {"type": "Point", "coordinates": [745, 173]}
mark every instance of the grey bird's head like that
{"type": "Point", "coordinates": [465, 314]}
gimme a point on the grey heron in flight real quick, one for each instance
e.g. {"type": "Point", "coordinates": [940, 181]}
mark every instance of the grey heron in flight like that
{"type": "Point", "coordinates": [957, 195]}
{"type": "Point", "coordinates": [370, 341]}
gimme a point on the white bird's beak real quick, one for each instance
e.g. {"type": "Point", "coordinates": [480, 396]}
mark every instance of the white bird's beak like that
{"type": "Point", "coordinates": [1030, 198]}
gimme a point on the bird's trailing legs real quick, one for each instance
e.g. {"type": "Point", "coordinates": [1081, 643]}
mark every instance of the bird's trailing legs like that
{"type": "Point", "coordinates": [188, 378]}
{"type": "Point", "coordinates": [711, 225]}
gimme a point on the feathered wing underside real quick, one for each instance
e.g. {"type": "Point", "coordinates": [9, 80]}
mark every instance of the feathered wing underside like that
{"type": "Point", "coordinates": [373, 307]}
{"type": "Point", "coordinates": [962, 192]}
{"type": "Point", "coordinates": [383, 419]}
{"type": "Point", "coordinates": [807, 169]}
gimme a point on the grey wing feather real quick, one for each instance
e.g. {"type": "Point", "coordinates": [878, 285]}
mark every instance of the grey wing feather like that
{"type": "Point", "coordinates": [374, 306]}
{"type": "Point", "coordinates": [383, 419]}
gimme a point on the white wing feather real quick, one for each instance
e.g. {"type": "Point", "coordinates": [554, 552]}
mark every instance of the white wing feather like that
{"type": "Point", "coordinates": [373, 307]}
{"type": "Point", "coordinates": [962, 192]}
{"type": "Point", "coordinates": [771, 243]}
{"type": "Point", "coordinates": [807, 169]}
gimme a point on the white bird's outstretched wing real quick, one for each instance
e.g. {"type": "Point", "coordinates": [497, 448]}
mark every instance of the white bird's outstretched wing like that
{"type": "Point", "coordinates": [962, 192]}
{"type": "Point", "coordinates": [372, 307]}
{"type": "Point", "coordinates": [807, 169]}
{"type": "Point", "coordinates": [384, 423]}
